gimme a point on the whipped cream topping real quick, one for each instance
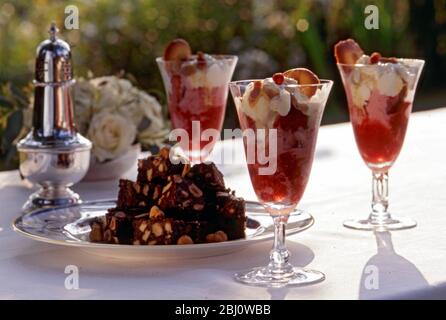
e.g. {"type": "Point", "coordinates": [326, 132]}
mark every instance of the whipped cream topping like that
{"type": "Point", "coordinates": [214, 73]}
{"type": "Point", "coordinates": [272, 100]}
{"type": "Point", "coordinates": [389, 79]}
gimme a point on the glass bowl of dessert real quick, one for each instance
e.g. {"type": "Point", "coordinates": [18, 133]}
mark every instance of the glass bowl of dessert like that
{"type": "Point", "coordinates": [380, 92]}
{"type": "Point", "coordinates": [197, 91]}
{"type": "Point", "coordinates": [280, 119]}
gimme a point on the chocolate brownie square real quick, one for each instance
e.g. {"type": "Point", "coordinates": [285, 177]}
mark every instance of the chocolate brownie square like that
{"type": "Point", "coordinates": [164, 231]}
{"type": "Point", "coordinates": [231, 217]}
{"type": "Point", "coordinates": [207, 177]}
{"type": "Point", "coordinates": [117, 227]}
{"type": "Point", "coordinates": [157, 168]}
{"type": "Point", "coordinates": [152, 231]}
{"type": "Point", "coordinates": [137, 194]}
{"type": "Point", "coordinates": [182, 199]}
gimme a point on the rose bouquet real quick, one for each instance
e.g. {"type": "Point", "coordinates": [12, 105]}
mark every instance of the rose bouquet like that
{"type": "Point", "coordinates": [116, 116]}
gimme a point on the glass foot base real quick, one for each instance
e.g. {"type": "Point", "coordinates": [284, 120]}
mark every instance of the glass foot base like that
{"type": "Point", "coordinates": [393, 223]}
{"type": "Point", "coordinates": [263, 277]}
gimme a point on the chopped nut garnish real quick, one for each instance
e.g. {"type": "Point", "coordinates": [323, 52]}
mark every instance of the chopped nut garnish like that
{"type": "Point", "coordinates": [146, 235]}
{"type": "Point", "coordinates": [198, 206]}
{"type": "Point", "coordinates": [218, 236]}
{"type": "Point", "coordinates": [112, 225]}
{"type": "Point", "coordinates": [168, 227]}
{"type": "Point", "coordinates": [196, 192]}
{"type": "Point", "coordinates": [184, 194]}
{"type": "Point", "coordinates": [167, 187]}
{"type": "Point", "coordinates": [155, 212]}
{"type": "Point", "coordinates": [137, 187]}
{"type": "Point", "coordinates": [145, 190]}
{"type": "Point", "coordinates": [185, 240]}
{"type": "Point", "coordinates": [149, 174]}
{"type": "Point", "coordinates": [156, 193]}
{"type": "Point", "coordinates": [157, 230]}
{"type": "Point", "coordinates": [143, 226]}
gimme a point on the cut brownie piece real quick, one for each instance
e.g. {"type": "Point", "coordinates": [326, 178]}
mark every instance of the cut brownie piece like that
{"type": "Point", "coordinates": [117, 227]}
{"type": "Point", "coordinates": [152, 231]}
{"type": "Point", "coordinates": [231, 216]}
{"type": "Point", "coordinates": [181, 198]}
{"type": "Point", "coordinates": [207, 177]}
{"type": "Point", "coordinates": [161, 231]}
{"type": "Point", "coordinates": [137, 194]}
{"type": "Point", "coordinates": [146, 228]}
{"type": "Point", "coordinates": [157, 168]}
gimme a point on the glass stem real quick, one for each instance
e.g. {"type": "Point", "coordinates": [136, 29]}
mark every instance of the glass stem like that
{"type": "Point", "coordinates": [380, 198]}
{"type": "Point", "coordinates": [279, 254]}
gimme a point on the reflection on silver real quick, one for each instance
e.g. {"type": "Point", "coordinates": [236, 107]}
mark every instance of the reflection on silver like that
{"type": "Point", "coordinates": [53, 155]}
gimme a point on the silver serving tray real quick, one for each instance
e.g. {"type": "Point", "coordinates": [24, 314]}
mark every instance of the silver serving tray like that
{"type": "Point", "coordinates": [69, 226]}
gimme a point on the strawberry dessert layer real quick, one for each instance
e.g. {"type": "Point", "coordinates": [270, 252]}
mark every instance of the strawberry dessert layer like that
{"type": "Point", "coordinates": [295, 114]}
{"type": "Point", "coordinates": [380, 96]}
{"type": "Point", "coordinates": [197, 90]}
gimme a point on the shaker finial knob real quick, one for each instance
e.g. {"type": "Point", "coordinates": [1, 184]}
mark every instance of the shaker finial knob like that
{"type": "Point", "coordinates": [53, 31]}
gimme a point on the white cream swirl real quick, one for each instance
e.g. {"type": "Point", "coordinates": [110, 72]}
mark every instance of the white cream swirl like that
{"type": "Point", "coordinates": [215, 72]}
{"type": "Point", "coordinates": [263, 103]}
{"type": "Point", "coordinates": [388, 78]}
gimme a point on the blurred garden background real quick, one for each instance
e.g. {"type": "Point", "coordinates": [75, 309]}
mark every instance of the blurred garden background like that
{"type": "Point", "coordinates": [124, 37]}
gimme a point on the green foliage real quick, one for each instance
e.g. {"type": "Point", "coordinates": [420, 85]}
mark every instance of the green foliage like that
{"type": "Point", "coordinates": [118, 35]}
{"type": "Point", "coordinates": [13, 107]}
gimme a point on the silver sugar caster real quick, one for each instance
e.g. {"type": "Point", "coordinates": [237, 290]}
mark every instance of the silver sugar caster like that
{"type": "Point", "coordinates": [53, 155]}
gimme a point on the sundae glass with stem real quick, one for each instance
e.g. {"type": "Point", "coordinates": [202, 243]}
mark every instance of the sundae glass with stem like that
{"type": "Point", "coordinates": [380, 93]}
{"type": "Point", "coordinates": [197, 91]}
{"type": "Point", "coordinates": [280, 116]}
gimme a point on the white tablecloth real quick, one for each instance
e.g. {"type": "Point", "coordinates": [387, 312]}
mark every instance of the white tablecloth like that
{"type": "Point", "coordinates": [408, 264]}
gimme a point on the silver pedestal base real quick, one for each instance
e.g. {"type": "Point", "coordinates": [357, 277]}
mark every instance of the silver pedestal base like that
{"type": "Point", "coordinates": [50, 197]}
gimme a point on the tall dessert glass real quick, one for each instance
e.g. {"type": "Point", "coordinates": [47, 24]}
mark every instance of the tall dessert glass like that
{"type": "Point", "coordinates": [197, 91]}
{"type": "Point", "coordinates": [380, 94]}
{"type": "Point", "coordinates": [293, 112]}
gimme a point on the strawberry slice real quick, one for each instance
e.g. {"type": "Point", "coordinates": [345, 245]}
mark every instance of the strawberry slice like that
{"type": "Point", "coordinates": [304, 76]}
{"type": "Point", "coordinates": [255, 93]}
{"type": "Point", "coordinates": [177, 50]}
{"type": "Point", "coordinates": [348, 52]}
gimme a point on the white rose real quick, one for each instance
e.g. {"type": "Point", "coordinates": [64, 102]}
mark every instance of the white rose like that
{"type": "Point", "coordinates": [156, 132]}
{"type": "Point", "coordinates": [118, 94]}
{"type": "Point", "coordinates": [83, 97]}
{"type": "Point", "coordinates": [111, 134]}
{"type": "Point", "coordinates": [109, 91]}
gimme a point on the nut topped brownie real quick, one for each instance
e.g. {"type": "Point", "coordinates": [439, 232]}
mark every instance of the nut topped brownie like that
{"type": "Point", "coordinates": [181, 197]}
{"type": "Point", "coordinates": [137, 194]}
{"type": "Point", "coordinates": [172, 203]}
{"type": "Point", "coordinates": [157, 168]}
